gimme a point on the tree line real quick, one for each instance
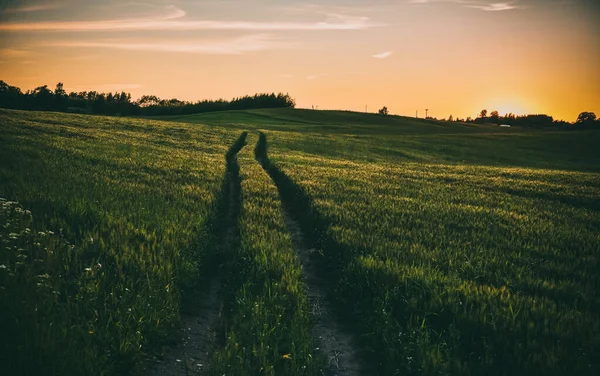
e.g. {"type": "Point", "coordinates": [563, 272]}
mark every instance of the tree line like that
{"type": "Point", "coordinates": [585, 119]}
{"type": "Point", "coordinates": [92, 102]}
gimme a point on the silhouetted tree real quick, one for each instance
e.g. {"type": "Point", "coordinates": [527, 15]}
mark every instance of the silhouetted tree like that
{"type": "Point", "coordinates": [61, 100]}
{"type": "Point", "coordinates": [148, 100]}
{"type": "Point", "coordinates": [11, 96]}
{"type": "Point", "coordinates": [536, 120]}
{"type": "Point", "coordinates": [495, 116]}
{"type": "Point", "coordinates": [60, 90]}
{"type": "Point", "coordinates": [43, 98]}
{"type": "Point", "coordinates": [586, 118]}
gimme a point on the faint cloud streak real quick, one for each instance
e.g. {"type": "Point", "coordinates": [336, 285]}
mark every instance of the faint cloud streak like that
{"type": "Point", "coordinates": [248, 43]}
{"type": "Point", "coordinates": [315, 76]}
{"type": "Point", "coordinates": [383, 55]}
{"type": "Point", "coordinates": [481, 5]}
{"type": "Point", "coordinates": [172, 20]}
{"type": "Point", "coordinates": [494, 7]}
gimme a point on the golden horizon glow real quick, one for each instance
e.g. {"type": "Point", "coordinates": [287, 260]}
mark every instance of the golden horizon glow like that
{"type": "Point", "coordinates": [452, 57]}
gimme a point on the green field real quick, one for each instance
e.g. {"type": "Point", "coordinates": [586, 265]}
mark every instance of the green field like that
{"type": "Point", "coordinates": [445, 248]}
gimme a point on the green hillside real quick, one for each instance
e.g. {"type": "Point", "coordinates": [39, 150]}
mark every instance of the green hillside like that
{"type": "Point", "coordinates": [442, 248]}
{"type": "Point", "coordinates": [376, 138]}
{"type": "Point", "coordinates": [327, 121]}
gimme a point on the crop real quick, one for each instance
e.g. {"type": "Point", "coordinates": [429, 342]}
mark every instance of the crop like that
{"type": "Point", "coordinates": [454, 268]}
{"type": "Point", "coordinates": [447, 249]}
{"type": "Point", "coordinates": [111, 232]}
{"type": "Point", "coordinates": [267, 321]}
{"type": "Point", "coordinates": [452, 249]}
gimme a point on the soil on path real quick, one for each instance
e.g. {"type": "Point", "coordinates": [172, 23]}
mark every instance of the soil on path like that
{"type": "Point", "coordinates": [196, 339]}
{"type": "Point", "coordinates": [199, 330]}
{"type": "Point", "coordinates": [333, 341]}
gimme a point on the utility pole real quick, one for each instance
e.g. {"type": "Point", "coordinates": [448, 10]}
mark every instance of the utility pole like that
{"type": "Point", "coordinates": [426, 111]}
{"type": "Point", "coordinates": [417, 114]}
{"type": "Point", "coordinates": [366, 110]}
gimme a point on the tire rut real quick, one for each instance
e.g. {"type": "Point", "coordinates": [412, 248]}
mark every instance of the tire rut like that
{"type": "Point", "coordinates": [198, 331]}
{"type": "Point", "coordinates": [335, 343]}
{"type": "Point", "coordinates": [197, 336]}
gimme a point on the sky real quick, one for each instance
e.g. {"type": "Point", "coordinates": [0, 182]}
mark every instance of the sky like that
{"type": "Point", "coordinates": [452, 57]}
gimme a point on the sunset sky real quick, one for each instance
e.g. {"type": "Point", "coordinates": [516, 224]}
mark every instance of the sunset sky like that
{"type": "Point", "coordinates": [450, 56]}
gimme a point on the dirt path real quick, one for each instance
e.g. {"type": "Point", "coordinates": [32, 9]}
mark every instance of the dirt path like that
{"type": "Point", "coordinates": [198, 332]}
{"type": "Point", "coordinates": [197, 337]}
{"type": "Point", "coordinates": [333, 341]}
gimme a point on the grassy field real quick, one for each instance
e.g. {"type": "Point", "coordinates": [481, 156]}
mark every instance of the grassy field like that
{"type": "Point", "coordinates": [267, 325]}
{"type": "Point", "coordinates": [460, 270]}
{"type": "Point", "coordinates": [112, 229]}
{"type": "Point", "coordinates": [448, 249]}
{"type": "Point", "coordinates": [461, 249]}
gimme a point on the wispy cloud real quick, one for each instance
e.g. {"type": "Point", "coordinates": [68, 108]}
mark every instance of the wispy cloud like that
{"type": "Point", "coordinates": [383, 55]}
{"type": "Point", "coordinates": [247, 43]}
{"type": "Point", "coordinates": [493, 7]}
{"type": "Point", "coordinates": [33, 8]}
{"type": "Point", "coordinates": [325, 8]}
{"type": "Point", "coordinates": [315, 76]}
{"type": "Point", "coordinates": [484, 5]}
{"type": "Point", "coordinates": [170, 13]}
{"type": "Point", "coordinates": [172, 20]}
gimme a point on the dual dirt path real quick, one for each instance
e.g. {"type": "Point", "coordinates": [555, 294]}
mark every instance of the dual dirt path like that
{"type": "Point", "coordinates": [199, 331]}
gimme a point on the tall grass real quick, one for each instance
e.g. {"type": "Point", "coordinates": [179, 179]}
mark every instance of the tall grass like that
{"type": "Point", "coordinates": [113, 225]}
{"type": "Point", "coordinates": [449, 269]}
{"type": "Point", "coordinates": [267, 328]}
{"type": "Point", "coordinates": [450, 249]}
